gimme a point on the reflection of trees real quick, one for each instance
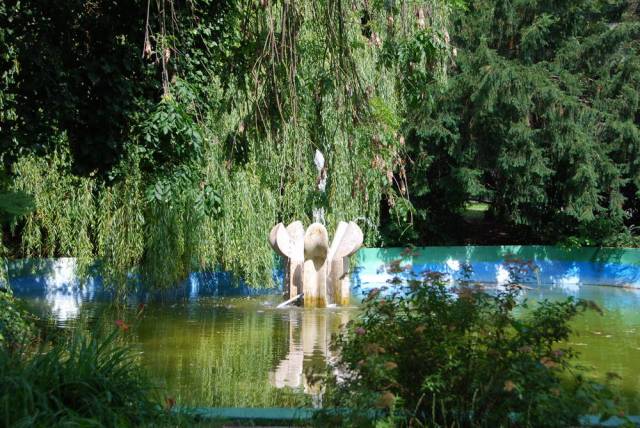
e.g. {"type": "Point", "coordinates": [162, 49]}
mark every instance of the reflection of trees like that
{"type": "Point", "coordinates": [219, 357]}
{"type": "Point", "coordinates": [224, 356]}
{"type": "Point", "coordinates": [309, 350]}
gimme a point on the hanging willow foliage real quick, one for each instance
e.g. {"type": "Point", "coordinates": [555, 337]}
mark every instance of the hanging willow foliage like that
{"type": "Point", "coordinates": [221, 158]}
{"type": "Point", "coordinates": [120, 226]}
{"type": "Point", "coordinates": [62, 223]}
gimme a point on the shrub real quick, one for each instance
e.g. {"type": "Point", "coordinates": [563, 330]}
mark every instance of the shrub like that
{"type": "Point", "coordinates": [16, 325]}
{"type": "Point", "coordinates": [82, 381]}
{"type": "Point", "coordinates": [429, 354]}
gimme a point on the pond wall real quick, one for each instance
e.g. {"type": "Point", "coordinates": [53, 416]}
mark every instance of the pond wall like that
{"type": "Point", "coordinates": [553, 265]}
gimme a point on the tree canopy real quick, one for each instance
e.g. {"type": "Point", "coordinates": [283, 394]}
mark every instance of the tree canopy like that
{"type": "Point", "coordinates": [169, 135]}
{"type": "Point", "coordinates": [539, 118]}
{"type": "Point", "coordinates": [166, 136]}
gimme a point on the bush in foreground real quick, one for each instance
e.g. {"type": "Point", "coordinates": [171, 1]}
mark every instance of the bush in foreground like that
{"type": "Point", "coordinates": [82, 381]}
{"type": "Point", "coordinates": [430, 355]}
{"type": "Point", "coordinates": [16, 325]}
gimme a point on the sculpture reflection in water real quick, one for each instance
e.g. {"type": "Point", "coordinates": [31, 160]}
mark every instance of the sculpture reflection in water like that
{"type": "Point", "coordinates": [309, 353]}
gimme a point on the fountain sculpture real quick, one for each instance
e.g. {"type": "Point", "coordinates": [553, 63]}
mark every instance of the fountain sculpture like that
{"type": "Point", "coordinates": [313, 268]}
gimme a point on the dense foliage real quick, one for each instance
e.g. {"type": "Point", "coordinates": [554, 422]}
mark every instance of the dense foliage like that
{"type": "Point", "coordinates": [166, 136]}
{"type": "Point", "coordinates": [72, 67]}
{"type": "Point", "coordinates": [17, 329]}
{"type": "Point", "coordinates": [539, 118]}
{"type": "Point", "coordinates": [79, 382]}
{"type": "Point", "coordinates": [173, 138]}
{"type": "Point", "coordinates": [432, 355]}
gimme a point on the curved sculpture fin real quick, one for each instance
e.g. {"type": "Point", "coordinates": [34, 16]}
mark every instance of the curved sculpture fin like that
{"type": "Point", "coordinates": [284, 242]}
{"type": "Point", "coordinates": [296, 234]}
{"type": "Point", "coordinates": [351, 241]}
{"type": "Point", "coordinates": [273, 241]}
{"type": "Point", "coordinates": [337, 239]}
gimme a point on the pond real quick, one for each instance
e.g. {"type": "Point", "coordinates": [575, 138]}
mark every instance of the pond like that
{"type": "Point", "coordinates": [208, 344]}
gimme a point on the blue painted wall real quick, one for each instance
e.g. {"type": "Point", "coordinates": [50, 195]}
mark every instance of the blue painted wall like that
{"type": "Point", "coordinates": [553, 265]}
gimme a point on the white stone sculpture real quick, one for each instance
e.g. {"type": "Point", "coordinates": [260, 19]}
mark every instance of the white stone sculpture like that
{"type": "Point", "coordinates": [314, 268]}
{"type": "Point", "coordinates": [289, 243]}
{"type": "Point", "coordinates": [346, 242]}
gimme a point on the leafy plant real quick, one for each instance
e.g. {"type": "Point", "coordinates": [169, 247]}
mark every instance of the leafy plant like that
{"type": "Point", "coordinates": [534, 118]}
{"type": "Point", "coordinates": [80, 381]}
{"type": "Point", "coordinates": [430, 354]}
{"type": "Point", "coordinates": [17, 330]}
{"type": "Point", "coordinates": [14, 205]}
{"type": "Point", "coordinates": [62, 223]}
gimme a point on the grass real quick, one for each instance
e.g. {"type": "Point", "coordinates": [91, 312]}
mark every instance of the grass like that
{"type": "Point", "coordinates": [80, 381]}
{"type": "Point", "coordinates": [475, 211]}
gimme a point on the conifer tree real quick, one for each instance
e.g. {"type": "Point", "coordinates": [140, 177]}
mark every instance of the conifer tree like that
{"type": "Point", "coordinates": [539, 117]}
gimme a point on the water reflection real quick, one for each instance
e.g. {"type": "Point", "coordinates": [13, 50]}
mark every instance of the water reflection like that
{"type": "Point", "coordinates": [309, 350]}
{"type": "Point", "coordinates": [57, 289]}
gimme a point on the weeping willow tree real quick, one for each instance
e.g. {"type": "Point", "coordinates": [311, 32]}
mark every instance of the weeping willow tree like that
{"type": "Point", "coordinates": [248, 92]}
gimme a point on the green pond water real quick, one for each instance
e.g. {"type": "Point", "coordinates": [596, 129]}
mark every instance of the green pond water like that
{"type": "Point", "coordinates": [224, 351]}
{"type": "Point", "coordinates": [242, 351]}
